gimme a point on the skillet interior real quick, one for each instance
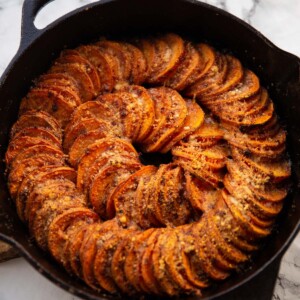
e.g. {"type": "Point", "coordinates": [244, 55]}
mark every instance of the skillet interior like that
{"type": "Point", "coordinates": [278, 71]}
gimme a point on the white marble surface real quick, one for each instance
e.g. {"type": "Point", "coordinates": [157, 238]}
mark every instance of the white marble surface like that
{"type": "Point", "coordinates": [279, 20]}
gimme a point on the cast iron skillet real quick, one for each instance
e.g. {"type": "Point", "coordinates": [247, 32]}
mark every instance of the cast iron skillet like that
{"type": "Point", "coordinates": [278, 70]}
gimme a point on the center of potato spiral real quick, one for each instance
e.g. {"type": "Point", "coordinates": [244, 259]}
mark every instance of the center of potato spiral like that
{"type": "Point", "coordinates": [155, 159]}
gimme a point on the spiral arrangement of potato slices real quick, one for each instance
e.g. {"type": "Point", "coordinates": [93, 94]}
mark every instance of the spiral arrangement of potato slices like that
{"type": "Point", "coordinates": [123, 227]}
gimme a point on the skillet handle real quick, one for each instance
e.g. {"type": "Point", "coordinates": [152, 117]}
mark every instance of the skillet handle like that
{"type": "Point", "coordinates": [29, 11]}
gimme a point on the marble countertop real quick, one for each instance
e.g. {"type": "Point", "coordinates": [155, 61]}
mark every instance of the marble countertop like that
{"type": "Point", "coordinates": [278, 20]}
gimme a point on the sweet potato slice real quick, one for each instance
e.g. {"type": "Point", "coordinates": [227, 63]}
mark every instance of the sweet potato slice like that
{"type": "Point", "coordinates": [260, 208]}
{"type": "Point", "coordinates": [116, 159]}
{"type": "Point", "coordinates": [144, 101]}
{"type": "Point", "coordinates": [104, 183]}
{"type": "Point", "coordinates": [132, 266]}
{"type": "Point", "coordinates": [248, 87]}
{"type": "Point", "coordinates": [231, 230]}
{"type": "Point", "coordinates": [170, 113]}
{"type": "Point", "coordinates": [200, 164]}
{"type": "Point", "coordinates": [212, 79]}
{"type": "Point", "coordinates": [220, 261]}
{"type": "Point", "coordinates": [72, 232]}
{"type": "Point", "coordinates": [105, 147]}
{"type": "Point", "coordinates": [262, 131]}
{"type": "Point", "coordinates": [239, 214]}
{"type": "Point", "coordinates": [147, 272]}
{"type": "Point", "coordinates": [129, 111]}
{"type": "Point", "coordinates": [37, 132]}
{"type": "Point", "coordinates": [61, 86]}
{"type": "Point", "coordinates": [241, 191]}
{"type": "Point", "coordinates": [180, 78]}
{"type": "Point", "coordinates": [117, 106]}
{"type": "Point", "coordinates": [141, 199]}
{"type": "Point", "coordinates": [162, 54]}
{"type": "Point", "coordinates": [206, 136]}
{"type": "Point", "coordinates": [147, 48]}
{"type": "Point", "coordinates": [74, 249]}
{"type": "Point", "coordinates": [193, 120]}
{"type": "Point", "coordinates": [50, 101]}
{"type": "Point", "coordinates": [83, 127]}
{"type": "Point", "coordinates": [269, 148]}
{"type": "Point", "coordinates": [160, 103]}
{"type": "Point", "coordinates": [261, 117]}
{"type": "Point", "coordinates": [171, 252]}
{"type": "Point", "coordinates": [121, 57]}
{"type": "Point", "coordinates": [206, 252]}
{"type": "Point", "coordinates": [68, 94]}
{"type": "Point", "coordinates": [170, 207]}
{"type": "Point", "coordinates": [89, 109]}
{"type": "Point", "coordinates": [74, 57]}
{"type": "Point", "coordinates": [49, 210]}
{"type": "Point", "coordinates": [89, 233]}
{"type": "Point", "coordinates": [80, 74]}
{"type": "Point", "coordinates": [251, 214]}
{"type": "Point", "coordinates": [59, 79]}
{"type": "Point", "coordinates": [169, 50]}
{"type": "Point", "coordinates": [272, 195]}
{"type": "Point", "coordinates": [40, 119]}
{"type": "Point", "coordinates": [233, 76]}
{"type": "Point", "coordinates": [256, 110]}
{"type": "Point", "coordinates": [118, 264]}
{"type": "Point", "coordinates": [208, 59]}
{"type": "Point", "coordinates": [88, 250]}
{"type": "Point", "coordinates": [167, 285]}
{"type": "Point", "coordinates": [29, 181]}
{"type": "Point", "coordinates": [263, 172]}
{"type": "Point", "coordinates": [39, 197]}
{"type": "Point", "coordinates": [180, 258]}
{"type": "Point", "coordinates": [237, 112]}
{"type": "Point", "coordinates": [103, 260]}
{"type": "Point", "coordinates": [229, 251]}
{"type": "Point", "coordinates": [138, 64]}
{"type": "Point", "coordinates": [99, 110]}
{"type": "Point", "coordinates": [34, 151]}
{"type": "Point", "coordinates": [214, 178]}
{"type": "Point", "coordinates": [213, 158]}
{"type": "Point", "coordinates": [201, 196]}
{"type": "Point", "coordinates": [102, 65]}
{"type": "Point", "coordinates": [123, 197]}
{"type": "Point", "coordinates": [150, 196]}
{"type": "Point", "coordinates": [217, 259]}
{"type": "Point", "coordinates": [82, 142]}
{"type": "Point", "coordinates": [63, 225]}
{"type": "Point", "coordinates": [194, 264]}
{"type": "Point", "coordinates": [22, 143]}
{"type": "Point", "coordinates": [131, 115]}
{"type": "Point", "coordinates": [20, 171]}
{"type": "Point", "coordinates": [47, 190]}
{"type": "Point", "coordinates": [269, 196]}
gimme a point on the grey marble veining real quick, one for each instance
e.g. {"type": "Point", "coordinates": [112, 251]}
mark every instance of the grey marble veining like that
{"type": "Point", "coordinates": [278, 20]}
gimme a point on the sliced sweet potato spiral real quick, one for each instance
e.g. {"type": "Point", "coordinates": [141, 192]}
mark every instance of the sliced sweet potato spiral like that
{"type": "Point", "coordinates": [124, 227]}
